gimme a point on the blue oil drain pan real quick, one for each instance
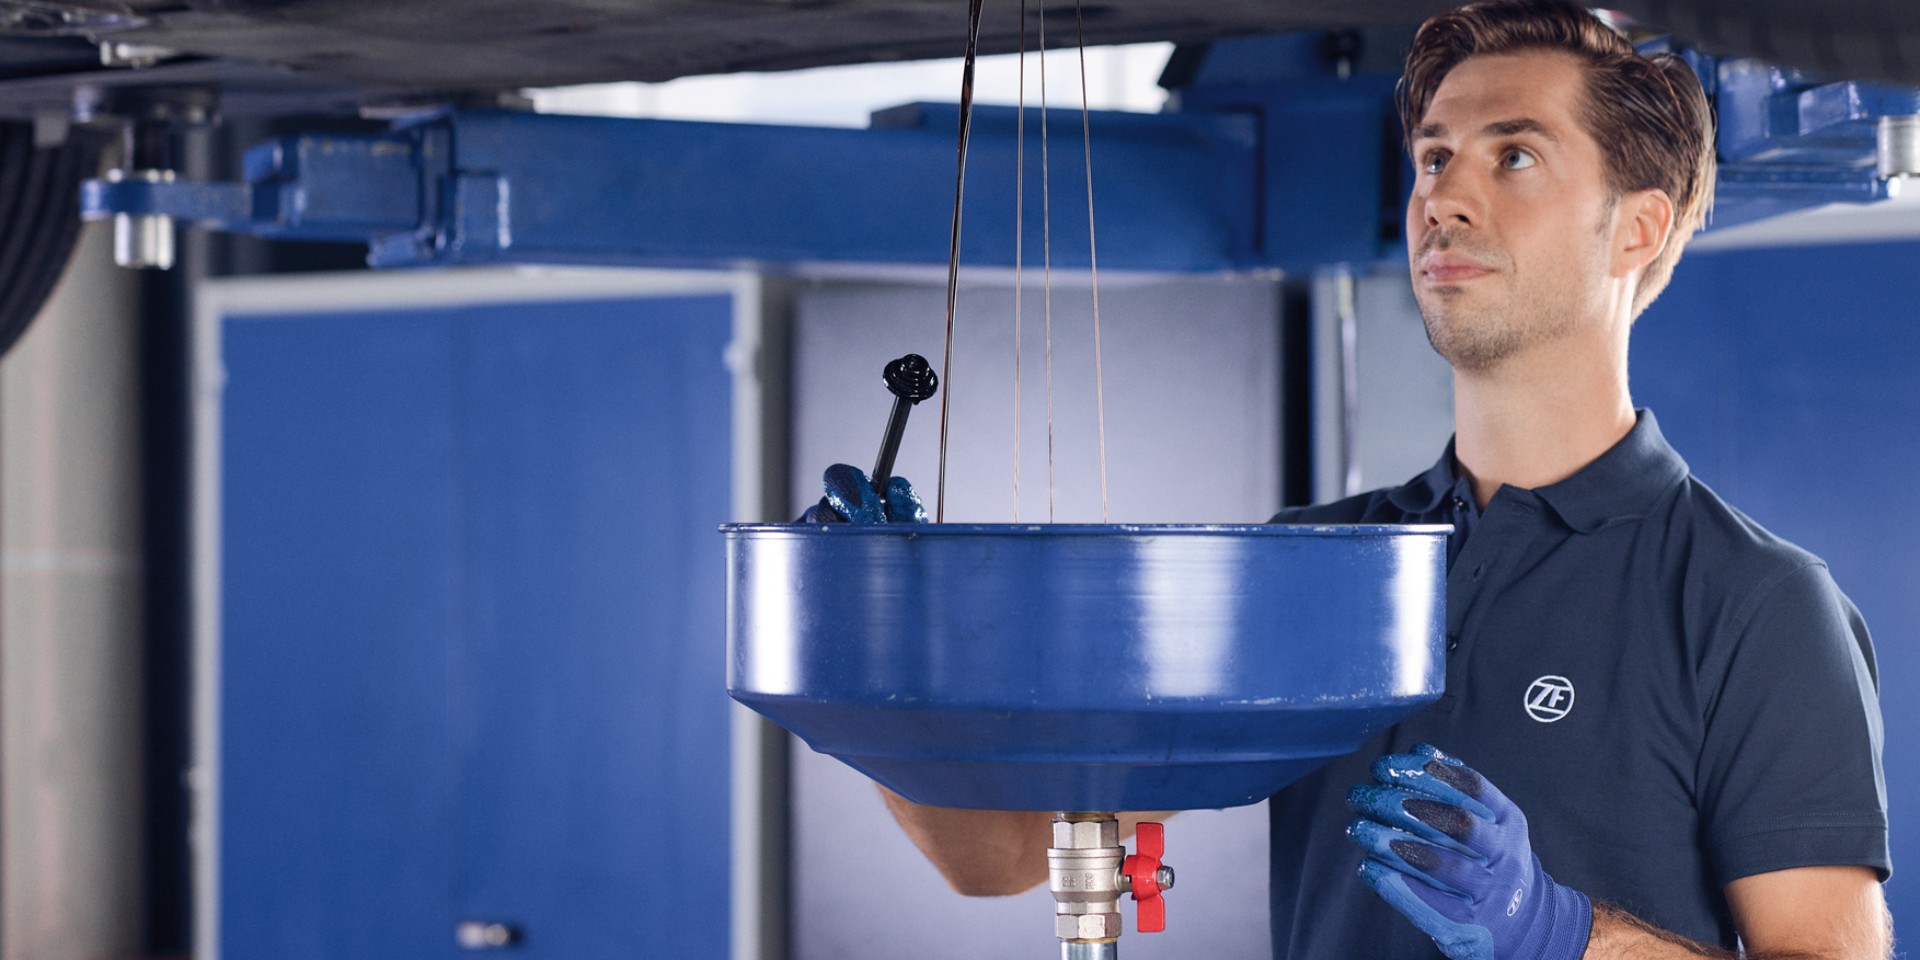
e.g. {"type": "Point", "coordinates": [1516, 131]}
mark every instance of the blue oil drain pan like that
{"type": "Point", "coordinates": [1085, 667]}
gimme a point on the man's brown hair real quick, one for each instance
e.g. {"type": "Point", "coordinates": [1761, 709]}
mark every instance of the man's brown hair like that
{"type": "Point", "coordinates": [1648, 114]}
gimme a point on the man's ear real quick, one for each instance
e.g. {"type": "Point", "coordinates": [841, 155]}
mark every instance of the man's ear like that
{"type": "Point", "coordinates": [1644, 227]}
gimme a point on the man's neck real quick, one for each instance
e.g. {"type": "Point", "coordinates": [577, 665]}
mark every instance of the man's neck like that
{"type": "Point", "coordinates": [1540, 417]}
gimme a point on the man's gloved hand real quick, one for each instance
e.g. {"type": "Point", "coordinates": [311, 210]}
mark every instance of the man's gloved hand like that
{"type": "Point", "coordinates": [1450, 851]}
{"type": "Point", "coordinates": [851, 499]}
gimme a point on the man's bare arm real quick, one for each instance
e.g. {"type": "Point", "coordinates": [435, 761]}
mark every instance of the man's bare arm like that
{"type": "Point", "coordinates": [1808, 913]}
{"type": "Point", "coordinates": [982, 853]}
{"type": "Point", "coordinates": [987, 853]}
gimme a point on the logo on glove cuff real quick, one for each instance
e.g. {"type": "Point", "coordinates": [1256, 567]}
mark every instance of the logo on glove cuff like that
{"type": "Point", "coordinates": [1550, 698]}
{"type": "Point", "coordinates": [1513, 906]}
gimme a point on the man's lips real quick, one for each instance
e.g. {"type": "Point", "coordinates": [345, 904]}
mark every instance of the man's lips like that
{"type": "Point", "coordinates": [1451, 269]}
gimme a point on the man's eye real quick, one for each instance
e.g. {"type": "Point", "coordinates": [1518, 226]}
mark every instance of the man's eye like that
{"type": "Point", "coordinates": [1434, 162]}
{"type": "Point", "coordinates": [1517, 160]}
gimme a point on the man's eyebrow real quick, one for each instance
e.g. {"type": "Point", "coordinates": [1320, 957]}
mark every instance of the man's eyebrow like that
{"type": "Point", "coordinates": [1498, 128]}
{"type": "Point", "coordinates": [1519, 125]}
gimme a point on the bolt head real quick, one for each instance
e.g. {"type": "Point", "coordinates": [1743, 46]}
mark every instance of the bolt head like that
{"type": "Point", "coordinates": [1086, 834]}
{"type": "Point", "coordinates": [1086, 926]}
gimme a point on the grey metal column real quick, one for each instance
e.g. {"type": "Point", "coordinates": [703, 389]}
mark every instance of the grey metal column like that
{"type": "Point", "coordinates": [71, 698]}
{"type": "Point", "coordinates": [761, 859]}
{"type": "Point", "coordinates": [1336, 385]}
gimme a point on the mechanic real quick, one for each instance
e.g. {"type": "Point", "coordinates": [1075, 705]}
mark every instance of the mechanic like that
{"type": "Point", "coordinates": [1684, 706]}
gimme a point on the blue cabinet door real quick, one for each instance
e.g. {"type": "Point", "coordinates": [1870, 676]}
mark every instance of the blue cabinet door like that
{"type": "Point", "coordinates": [470, 664]}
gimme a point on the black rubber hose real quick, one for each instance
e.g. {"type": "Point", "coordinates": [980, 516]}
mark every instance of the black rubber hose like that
{"type": "Point", "coordinates": [39, 219]}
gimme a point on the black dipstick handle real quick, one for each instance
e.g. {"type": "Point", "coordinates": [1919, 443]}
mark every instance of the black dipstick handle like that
{"type": "Point", "coordinates": [910, 379]}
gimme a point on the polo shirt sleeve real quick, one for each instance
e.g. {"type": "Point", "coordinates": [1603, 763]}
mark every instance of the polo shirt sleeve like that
{"type": "Point", "coordinates": [1789, 771]}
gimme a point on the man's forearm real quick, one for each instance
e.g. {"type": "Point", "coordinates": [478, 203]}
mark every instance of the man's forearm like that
{"type": "Point", "coordinates": [979, 852]}
{"type": "Point", "coordinates": [1619, 935]}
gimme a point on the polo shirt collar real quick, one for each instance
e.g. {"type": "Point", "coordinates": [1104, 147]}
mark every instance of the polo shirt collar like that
{"type": "Point", "coordinates": [1623, 484]}
{"type": "Point", "coordinates": [1423, 494]}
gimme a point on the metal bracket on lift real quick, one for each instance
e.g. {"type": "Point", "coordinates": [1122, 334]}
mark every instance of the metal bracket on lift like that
{"type": "Point", "coordinates": [1789, 140]}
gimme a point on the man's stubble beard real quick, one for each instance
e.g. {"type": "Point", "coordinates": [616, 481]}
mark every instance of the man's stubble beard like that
{"type": "Point", "coordinates": [1477, 340]}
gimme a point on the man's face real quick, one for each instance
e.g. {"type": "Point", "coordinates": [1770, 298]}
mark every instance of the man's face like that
{"type": "Point", "coordinates": [1509, 227]}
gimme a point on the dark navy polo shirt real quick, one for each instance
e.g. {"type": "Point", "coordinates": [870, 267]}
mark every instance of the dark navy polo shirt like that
{"type": "Point", "coordinates": [1675, 698]}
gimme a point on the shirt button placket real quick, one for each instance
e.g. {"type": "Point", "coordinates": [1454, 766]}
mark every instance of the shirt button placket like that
{"type": "Point", "coordinates": [1480, 552]}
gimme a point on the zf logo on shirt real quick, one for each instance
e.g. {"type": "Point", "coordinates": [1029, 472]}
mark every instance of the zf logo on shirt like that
{"type": "Point", "coordinates": [1549, 698]}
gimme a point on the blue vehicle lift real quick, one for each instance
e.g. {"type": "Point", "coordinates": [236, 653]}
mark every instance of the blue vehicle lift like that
{"type": "Point", "coordinates": [1273, 159]}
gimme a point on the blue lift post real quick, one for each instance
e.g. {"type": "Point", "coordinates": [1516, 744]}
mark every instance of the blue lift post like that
{"type": "Point", "coordinates": [1272, 160]}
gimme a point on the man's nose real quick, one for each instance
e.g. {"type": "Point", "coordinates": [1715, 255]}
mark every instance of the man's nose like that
{"type": "Point", "coordinates": [1451, 201]}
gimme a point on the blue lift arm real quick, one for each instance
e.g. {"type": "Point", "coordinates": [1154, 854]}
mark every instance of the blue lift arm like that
{"type": "Point", "coordinates": [501, 186]}
{"type": "Point", "coordinates": [1273, 160]}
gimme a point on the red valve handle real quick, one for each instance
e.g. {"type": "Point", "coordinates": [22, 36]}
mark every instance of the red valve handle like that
{"type": "Point", "coordinates": [1143, 870]}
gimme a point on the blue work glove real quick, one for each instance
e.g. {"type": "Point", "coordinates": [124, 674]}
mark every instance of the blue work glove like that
{"type": "Point", "coordinates": [1450, 851]}
{"type": "Point", "coordinates": [851, 499]}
